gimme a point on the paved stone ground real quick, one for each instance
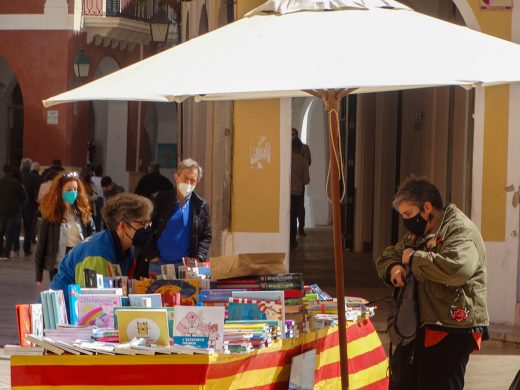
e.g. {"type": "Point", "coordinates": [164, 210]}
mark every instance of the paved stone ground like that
{"type": "Point", "coordinates": [494, 367]}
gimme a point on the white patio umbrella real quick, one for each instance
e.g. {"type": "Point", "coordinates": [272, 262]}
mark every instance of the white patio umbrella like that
{"type": "Point", "coordinates": [327, 48]}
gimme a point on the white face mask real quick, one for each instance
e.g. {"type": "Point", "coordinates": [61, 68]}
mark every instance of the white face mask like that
{"type": "Point", "coordinates": [185, 189]}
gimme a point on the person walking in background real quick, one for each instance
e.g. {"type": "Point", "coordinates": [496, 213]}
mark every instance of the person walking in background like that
{"type": "Point", "coordinates": [306, 153]}
{"type": "Point", "coordinates": [37, 179]}
{"type": "Point", "coordinates": [299, 179]}
{"type": "Point", "coordinates": [86, 179]}
{"type": "Point", "coordinates": [96, 183]}
{"type": "Point", "coordinates": [12, 198]}
{"type": "Point", "coordinates": [181, 223]}
{"type": "Point", "coordinates": [445, 253]}
{"type": "Point", "coordinates": [110, 188]}
{"type": "Point", "coordinates": [31, 184]}
{"type": "Point", "coordinates": [153, 182]}
{"type": "Point", "coordinates": [15, 239]}
{"type": "Point", "coordinates": [46, 183]}
{"type": "Point", "coordinates": [66, 221]}
{"type": "Point", "coordinates": [55, 167]}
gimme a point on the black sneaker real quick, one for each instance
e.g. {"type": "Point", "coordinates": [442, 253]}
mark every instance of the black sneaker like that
{"type": "Point", "coordinates": [302, 233]}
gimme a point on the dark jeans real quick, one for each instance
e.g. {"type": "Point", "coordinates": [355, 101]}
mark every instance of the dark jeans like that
{"type": "Point", "coordinates": [301, 215]}
{"type": "Point", "coordinates": [296, 204]}
{"type": "Point", "coordinates": [441, 366]}
{"type": "Point", "coordinates": [7, 229]}
{"type": "Point", "coordinates": [28, 217]}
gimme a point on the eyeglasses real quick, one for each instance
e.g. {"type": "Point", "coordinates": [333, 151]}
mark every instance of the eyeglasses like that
{"type": "Point", "coordinates": [145, 224]}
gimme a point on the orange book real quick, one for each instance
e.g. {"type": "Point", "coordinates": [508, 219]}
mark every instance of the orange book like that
{"type": "Point", "coordinates": [23, 315]}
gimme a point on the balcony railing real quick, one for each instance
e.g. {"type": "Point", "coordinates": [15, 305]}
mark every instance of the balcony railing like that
{"type": "Point", "coordinates": [131, 9]}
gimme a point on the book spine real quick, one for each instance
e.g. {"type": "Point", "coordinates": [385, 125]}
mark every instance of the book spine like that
{"type": "Point", "coordinates": [73, 291]}
{"type": "Point", "coordinates": [281, 286]}
{"type": "Point", "coordinates": [280, 278]}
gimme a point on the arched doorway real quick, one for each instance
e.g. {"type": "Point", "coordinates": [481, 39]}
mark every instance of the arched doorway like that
{"type": "Point", "coordinates": [110, 119]}
{"type": "Point", "coordinates": [11, 116]}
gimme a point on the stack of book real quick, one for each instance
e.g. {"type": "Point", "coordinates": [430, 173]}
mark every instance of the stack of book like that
{"type": "Point", "coordinates": [54, 310]}
{"type": "Point", "coordinates": [70, 333]}
{"type": "Point", "coordinates": [321, 314]}
{"type": "Point", "coordinates": [293, 288]}
{"type": "Point", "coordinates": [249, 334]}
{"type": "Point", "coordinates": [249, 283]}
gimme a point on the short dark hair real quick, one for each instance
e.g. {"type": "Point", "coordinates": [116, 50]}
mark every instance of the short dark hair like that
{"type": "Point", "coordinates": [56, 162]}
{"type": "Point", "coordinates": [106, 181]}
{"type": "Point", "coordinates": [294, 130]}
{"type": "Point", "coordinates": [418, 190]}
{"type": "Point", "coordinates": [154, 166]}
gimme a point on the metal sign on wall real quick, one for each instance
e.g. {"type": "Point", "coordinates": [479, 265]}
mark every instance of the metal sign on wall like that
{"type": "Point", "coordinates": [496, 4]}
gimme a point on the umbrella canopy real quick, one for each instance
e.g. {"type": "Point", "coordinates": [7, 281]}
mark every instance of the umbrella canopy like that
{"type": "Point", "coordinates": [365, 45]}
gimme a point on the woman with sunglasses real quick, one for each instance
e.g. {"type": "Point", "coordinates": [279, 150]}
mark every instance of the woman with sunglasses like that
{"type": "Point", "coordinates": [66, 221]}
{"type": "Point", "coordinates": [109, 252]}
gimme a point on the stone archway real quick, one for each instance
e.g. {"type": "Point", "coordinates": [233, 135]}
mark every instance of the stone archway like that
{"type": "Point", "coordinates": [110, 130]}
{"type": "Point", "coordinates": [11, 116]}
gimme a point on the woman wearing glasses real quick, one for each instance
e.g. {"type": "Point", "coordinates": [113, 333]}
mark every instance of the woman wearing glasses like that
{"type": "Point", "coordinates": [66, 221]}
{"type": "Point", "coordinates": [109, 252]}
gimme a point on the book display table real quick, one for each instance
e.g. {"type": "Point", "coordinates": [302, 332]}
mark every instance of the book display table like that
{"type": "Point", "coordinates": [268, 368]}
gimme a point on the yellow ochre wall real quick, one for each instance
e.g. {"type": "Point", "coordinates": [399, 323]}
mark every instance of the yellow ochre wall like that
{"type": "Point", "coordinates": [496, 128]}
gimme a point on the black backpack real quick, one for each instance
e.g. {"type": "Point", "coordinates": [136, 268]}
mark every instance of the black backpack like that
{"type": "Point", "coordinates": [403, 316]}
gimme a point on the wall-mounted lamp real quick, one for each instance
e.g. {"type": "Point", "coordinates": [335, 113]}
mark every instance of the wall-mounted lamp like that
{"type": "Point", "coordinates": [81, 64]}
{"type": "Point", "coordinates": [159, 25]}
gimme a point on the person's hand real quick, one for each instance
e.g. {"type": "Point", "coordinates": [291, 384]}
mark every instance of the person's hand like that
{"type": "Point", "coordinates": [397, 275]}
{"type": "Point", "coordinates": [154, 260]}
{"type": "Point", "coordinates": [407, 254]}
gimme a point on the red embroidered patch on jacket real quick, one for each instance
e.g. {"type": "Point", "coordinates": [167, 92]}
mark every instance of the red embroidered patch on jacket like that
{"type": "Point", "coordinates": [459, 314]}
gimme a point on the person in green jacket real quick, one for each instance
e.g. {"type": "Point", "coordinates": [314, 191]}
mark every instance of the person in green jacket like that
{"type": "Point", "coordinates": [446, 254]}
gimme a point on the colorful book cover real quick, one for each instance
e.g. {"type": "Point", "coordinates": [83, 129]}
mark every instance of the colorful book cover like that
{"type": "Point", "coordinates": [97, 309]}
{"type": "Point", "coordinates": [199, 326]}
{"type": "Point", "coordinates": [37, 319]}
{"type": "Point", "coordinates": [277, 306]}
{"type": "Point", "coordinates": [221, 295]}
{"type": "Point", "coordinates": [137, 299]}
{"type": "Point", "coordinates": [45, 308]}
{"type": "Point", "coordinates": [74, 290]}
{"type": "Point", "coordinates": [169, 311]}
{"type": "Point", "coordinates": [149, 324]}
{"type": "Point", "coordinates": [61, 309]}
{"type": "Point", "coordinates": [23, 315]}
{"type": "Point", "coordinates": [188, 288]}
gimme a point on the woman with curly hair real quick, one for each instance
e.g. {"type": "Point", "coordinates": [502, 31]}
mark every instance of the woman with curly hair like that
{"type": "Point", "coordinates": [66, 221]}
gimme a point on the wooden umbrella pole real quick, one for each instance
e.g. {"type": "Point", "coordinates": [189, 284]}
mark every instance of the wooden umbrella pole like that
{"type": "Point", "coordinates": [331, 99]}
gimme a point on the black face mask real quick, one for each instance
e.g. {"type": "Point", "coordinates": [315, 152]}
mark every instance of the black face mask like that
{"type": "Point", "coordinates": [416, 224]}
{"type": "Point", "coordinates": [141, 236]}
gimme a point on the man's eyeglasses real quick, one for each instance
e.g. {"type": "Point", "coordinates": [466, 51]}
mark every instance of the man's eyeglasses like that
{"type": "Point", "coordinates": [145, 224]}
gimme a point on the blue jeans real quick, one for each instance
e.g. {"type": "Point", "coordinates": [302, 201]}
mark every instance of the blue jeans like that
{"type": "Point", "coordinates": [8, 229]}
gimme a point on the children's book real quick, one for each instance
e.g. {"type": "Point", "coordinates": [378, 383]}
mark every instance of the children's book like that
{"type": "Point", "coordinates": [169, 311]}
{"type": "Point", "coordinates": [275, 308]}
{"type": "Point", "coordinates": [188, 289]}
{"type": "Point", "coordinates": [36, 319]}
{"type": "Point", "coordinates": [149, 324]}
{"type": "Point", "coordinates": [97, 309]}
{"type": "Point", "coordinates": [60, 308]}
{"type": "Point", "coordinates": [137, 299]}
{"type": "Point", "coordinates": [199, 326]}
{"type": "Point", "coordinates": [23, 315]}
